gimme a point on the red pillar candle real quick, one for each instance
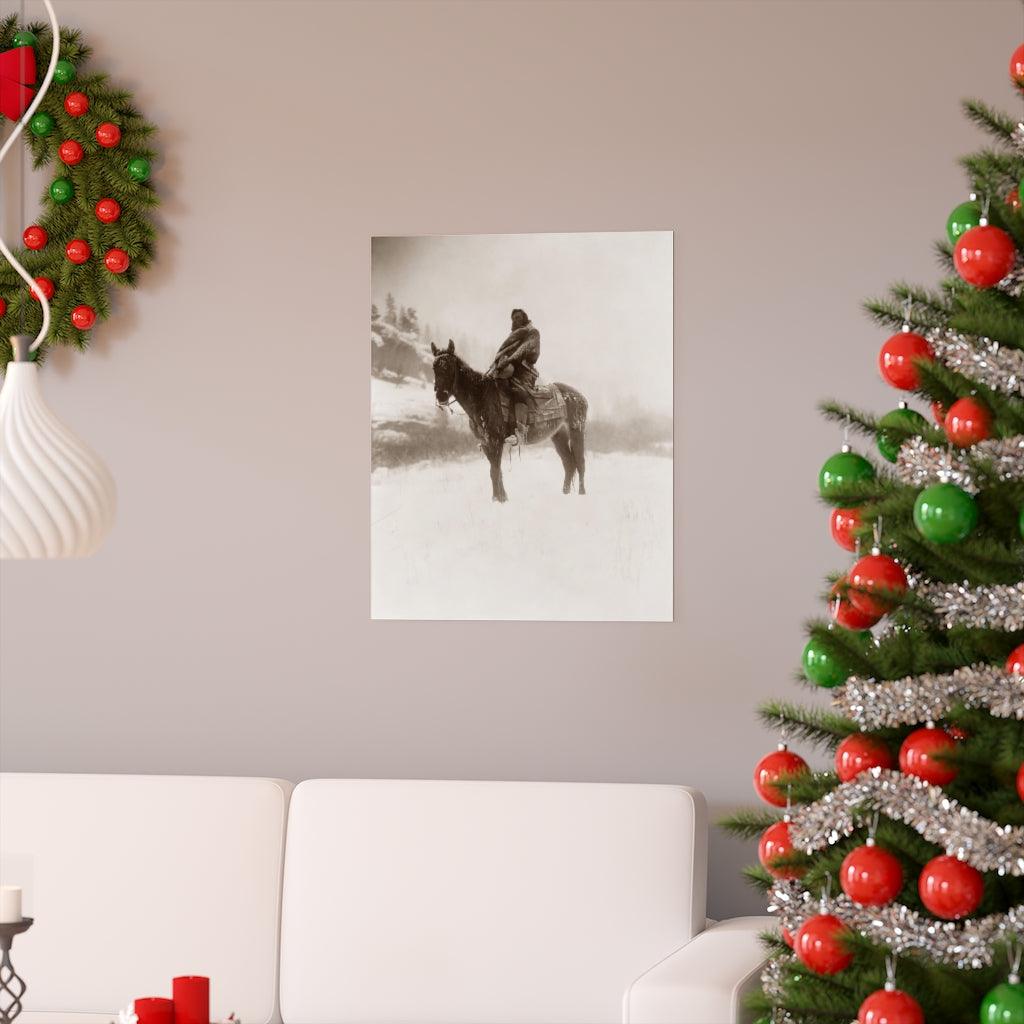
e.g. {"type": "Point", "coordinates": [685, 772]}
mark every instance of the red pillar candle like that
{"type": "Point", "coordinates": [155, 1010]}
{"type": "Point", "coordinates": [191, 1000]}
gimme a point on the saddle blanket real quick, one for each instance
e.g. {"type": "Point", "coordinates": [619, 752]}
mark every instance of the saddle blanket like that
{"type": "Point", "coordinates": [548, 404]}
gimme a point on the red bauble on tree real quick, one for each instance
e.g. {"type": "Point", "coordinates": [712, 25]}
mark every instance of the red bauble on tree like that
{"type": "Point", "coordinates": [873, 579]}
{"type": "Point", "coordinates": [968, 422]}
{"type": "Point", "coordinates": [3, 306]}
{"type": "Point", "coordinates": [771, 768]}
{"type": "Point", "coordinates": [858, 753]}
{"type": "Point", "coordinates": [1015, 661]}
{"type": "Point", "coordinates": [78, 251]}
{"type": "Point", "coordinates": [984, 255]}
{"type": "Point", "coordinates": [1017, 64]}
{"type": "Point", "coordinates": [108, 211]}
{"type": "Point", "coordinates": [70, 152]}
{"type": "Point", "coordinates": [896, 359]}
{"type": "Point", "coordinates": [950, 888]}
{"type": "Point", "coordinates": [776, 842]}
{"type": "Point", "coordinates": [919, 756]}
{"type": "Point", "coordinates": [871, 876]}
{"type": "Point", "coordinates": [35, 237]}
{"type": "Point", "coordinates": [83, 317]}
{"type": "Point", "coordinates": [842, 524]}
{"type": "Point", "coordinates": [44, 285]}
{"type": "Point", "coordinates": [108, 135]}
{"type": "Point", "coordinates": [819, 944]}
{"type": "Point", "coordinates": [116, 261]}
{"type": "Point", "coordinates": [890, 1006]}
{"type": "Point", "coordinates": [1020, 770]}
{"type": "Point", "coordinates": [844, 613]}
{"type": "Point", "coordinates": [76, 104]}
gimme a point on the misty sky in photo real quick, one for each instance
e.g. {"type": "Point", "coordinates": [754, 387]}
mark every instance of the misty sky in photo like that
{"type": "Point", "coordinates": [602, 302]}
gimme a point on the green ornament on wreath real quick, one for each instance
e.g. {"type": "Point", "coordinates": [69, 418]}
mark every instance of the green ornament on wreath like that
{"type": "Point", "coordinates": [94, 231]}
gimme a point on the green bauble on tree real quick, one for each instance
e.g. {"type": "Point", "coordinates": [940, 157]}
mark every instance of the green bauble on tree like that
{"type": "Point", "coordinates": [24, 38]}
{"type": "Point", "coordinates": [894, 427]}
{"type": "Point", "coordinates": [1004, 1004]}
{"type": "Point", "coordinates": [842, 469]}
{"type": "Point", "coordinates": [41, 125]}
{"type": "Point", "coordinates": [822, 667]}
{"type": "Point", "coordinates": [61, 190]}
{"type": "Point", "coordinates": [64, 72]}
{"type": "Point", "coordinates": [945, 514]}
{"type": "Point", "coordinates": [963, 218]}
{"type": "Point", "coordinates": [139, 169]}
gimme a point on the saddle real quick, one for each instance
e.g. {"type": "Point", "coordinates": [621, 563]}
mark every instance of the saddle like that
{"type": "Point", "coordinates": [545, 400]}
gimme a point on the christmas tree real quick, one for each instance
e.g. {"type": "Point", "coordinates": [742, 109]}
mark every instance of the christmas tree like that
{"type": "Point", "coordinates": [898, 878]}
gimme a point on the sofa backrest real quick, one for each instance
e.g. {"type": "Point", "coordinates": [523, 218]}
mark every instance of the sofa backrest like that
{"type": "Point", "coordinates": [135, 879]}
{"type": "Point", "coordinates": [483, 901]}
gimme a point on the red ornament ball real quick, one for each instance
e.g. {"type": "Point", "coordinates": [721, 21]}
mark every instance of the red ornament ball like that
{"type": "Point", "coordinates": [1017, 64]}
{"type": "Point", "coordinates": [845, 614]}
{"type": "Point", "coordinates": [35, 237]}
{"type": "Point", "coordinates": [770, 768]}
{"type": "Point", "coordinates": [939, 413]}
{"type": "Point", "coordinates": [116, 261]}
{"type": "Point", "coordinates": [776, 842]}
{"type": "Point", "coordinates": [968, 422]}
{"type": "Point", "coordinates": [76, 104]}
{"type": "Point", "coordinates": [919, 756]}
{"type": "Point", "coordinates": [3, 306]}
{"type": "Point", "coordinates": [842, 523]}
{"type": "Point", "coordinates": [873, 579]}
{"type": "Point", "coordinates": [950, 888]}
{"type": "Point", "coordinates": [1020, 770]}
{"type": "Point", "coordinates": [956, 732]}
{"type": "Point", "coordinates": [108, 210]}
{"type": "Point", "coordinates": [896, 360]}
{"type": "Point", "coordinates": [83, 317]}
{"type": "Point", "coordinates": [819, 944]}
{"type": "Point", "coordinates": [871, 876]}
{"type": "Point", "coordinates": [78, 250]}
{"type": "Point", "coordinates": [858, 753]}
{"type": "Point", "coordinates": [70, 152]}
{"type": "Point", "coordinates": [44, 285]}
{"type": "Point", "coordinates": [108, 135]}
{"type": "Point", "coordinates": [1015, 661]}
{"type": "Point", "coordinates": [984, 255]}
{"type": "Point", "coordinates": [890, 1006]}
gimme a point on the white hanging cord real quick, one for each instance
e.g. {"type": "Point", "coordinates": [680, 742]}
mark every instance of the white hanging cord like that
{"type": "Point", "coordinates": [5, 149]}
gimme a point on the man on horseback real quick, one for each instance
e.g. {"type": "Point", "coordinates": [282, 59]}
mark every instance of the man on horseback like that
{"type": "Point", "coordinates": [513, 368]}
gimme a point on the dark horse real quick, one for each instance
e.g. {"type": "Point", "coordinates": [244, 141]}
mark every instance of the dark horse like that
{"type": "Point", "coordinates": [478, 395]}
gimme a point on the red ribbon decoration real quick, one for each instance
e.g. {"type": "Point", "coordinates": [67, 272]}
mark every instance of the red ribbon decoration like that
{"type": "Point", "coordinates": [17, 74]}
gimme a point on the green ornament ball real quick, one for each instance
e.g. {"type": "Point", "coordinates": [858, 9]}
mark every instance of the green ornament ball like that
{"type": "Point", "coordinates": [41, 125]}
{"type": "Point", "coordinates": [945, 514]}
{"type": "Point", "coordinates": [64, 72]}
{"type": "Point", "coordinates": [841, 470]}
{"type": "Point", "coordinates": [139, 169]}
{"type": "Point", "coordinates": [24, 38]}
{"type": "Point", "coordinates": [963, 218]}
{"type": "Point", "coordinates": [1003, 1005]}
{"type": "Point", "coordinates": [61, 190]}
{"type": "Point", "coordinates": [823, 668]}
{"type": "Point", "coordinates": [907, 421]}
{"type": "Point", "coordinates": [1020, 524]}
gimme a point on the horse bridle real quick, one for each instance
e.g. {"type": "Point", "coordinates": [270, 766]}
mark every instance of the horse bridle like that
{"type": "Point", "coordinates": [451, 394]}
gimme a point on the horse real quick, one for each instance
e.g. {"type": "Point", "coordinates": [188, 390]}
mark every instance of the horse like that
{"type": "Point", "coordinates": [478, 395]}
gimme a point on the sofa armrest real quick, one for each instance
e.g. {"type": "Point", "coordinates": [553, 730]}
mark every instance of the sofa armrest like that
{"type": "Point", "coordinates": [703, 982]}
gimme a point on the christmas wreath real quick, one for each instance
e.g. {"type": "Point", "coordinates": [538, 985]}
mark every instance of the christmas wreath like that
{"type": "Point", "coordinates": [94, 231]}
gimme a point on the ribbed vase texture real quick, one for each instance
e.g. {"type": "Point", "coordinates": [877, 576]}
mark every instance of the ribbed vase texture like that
{"type": "Point", "coordinates": [57, 499]}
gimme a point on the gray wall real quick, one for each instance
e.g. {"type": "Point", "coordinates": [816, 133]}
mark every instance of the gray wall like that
{"type": "Point", "coordinates": [803, 153]}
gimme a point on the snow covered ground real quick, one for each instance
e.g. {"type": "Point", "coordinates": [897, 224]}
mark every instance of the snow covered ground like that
{"type": "Point", "coordinates": [406, 400]}
{"type": "Point", "coordinates": [441, 549]}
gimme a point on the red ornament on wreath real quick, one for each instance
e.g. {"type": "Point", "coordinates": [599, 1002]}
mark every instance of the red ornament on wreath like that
{"type": "Point", "coordinates": [968, 422]}
{"type": "Point", "coordinates": [844, 613]}
{"type": "Point", "coordinates": [859, 753]}
{"type": "Point", "coordinates": [3, 307]}
{"type": "Point", "coordinates": [35, 237]}
{"type": "Point", "coordinates": [873, 579]}
{"type": "Point", "coordinates": [819, 944]}
{"type": "Point", "coordinates": [890, 1006]}
{"type": "Point", "coordinates": [83, 317]}
{"type": "Point", "coordinates": [108, 135]}
{"type": "Point", "coordinates": [776, 842]}
{"type": "Point", "coordinates": [116, 261]}
{"type": "Point", "coordinates": [984, 255]}
{"type": "Point", "coordinates": [70, 152]}
{"type": "Point", "coordinates": [108, 211]}
{"type": "Point", "coordinates": [919, 756]}
{"type": "Point", "coordinates": [950, 888]}
{"type": "Point", "coordinates": [871, 876]}
{"type": "Point", "coordinates": [771, 768]}
{"type": "Point", "coordinates": [896, 360]}
{"type": "Point", "coordinates": [842, 523]}
{"type": "Point", "coordinates": [1020, 770]}
{"type": "Point", "coordinates": [76, 104]}
{"type": "Point", "coordinates": [1017, 64]}
{"type": "Point", "coordinates": [44, 285]}
{"type": "Point", "coordinates": [1015, 661]}
{"type": "Point", "coordinates": [78, 251]}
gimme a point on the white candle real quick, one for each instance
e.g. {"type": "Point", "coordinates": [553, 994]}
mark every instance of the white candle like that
{"type": "Point", "coordinates": [10, 904]}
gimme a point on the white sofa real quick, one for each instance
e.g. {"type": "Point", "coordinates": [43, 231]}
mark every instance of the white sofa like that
{"type": "Point", "coordinates": [388, 902]}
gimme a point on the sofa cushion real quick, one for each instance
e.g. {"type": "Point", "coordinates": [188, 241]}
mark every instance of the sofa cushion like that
{"type": "Point", "coordinates": [483, 901]}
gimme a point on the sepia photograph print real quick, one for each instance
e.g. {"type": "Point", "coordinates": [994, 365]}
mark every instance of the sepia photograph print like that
{"type": "Point", "coordinates": [522, 426]}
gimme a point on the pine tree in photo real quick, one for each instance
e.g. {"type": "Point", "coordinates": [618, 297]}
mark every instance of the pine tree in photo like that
{"type": "Point", "coordinates": [898, 878]}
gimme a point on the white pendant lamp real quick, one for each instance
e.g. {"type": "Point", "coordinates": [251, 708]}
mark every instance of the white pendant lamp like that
{"type": "Point", "coordinates": [57, 499]}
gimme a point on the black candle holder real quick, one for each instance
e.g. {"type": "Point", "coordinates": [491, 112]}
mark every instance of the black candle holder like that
{"type": "Point", "coordinates": [12, 987]}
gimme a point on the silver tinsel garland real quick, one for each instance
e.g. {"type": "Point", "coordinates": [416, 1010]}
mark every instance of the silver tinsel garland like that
{"type": "Point", "coordinates": [927, 809]}
{"type": "Point", "coordinates": [930, 696]}
{"type": "Point", "coordinates": [981, 359]}
{"type": "Point", "coordinates": [964, 944]}
{"type": "Point", "coordinates": [920, 464]}
{"type": "Point", "coordinates": [995, 606]}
